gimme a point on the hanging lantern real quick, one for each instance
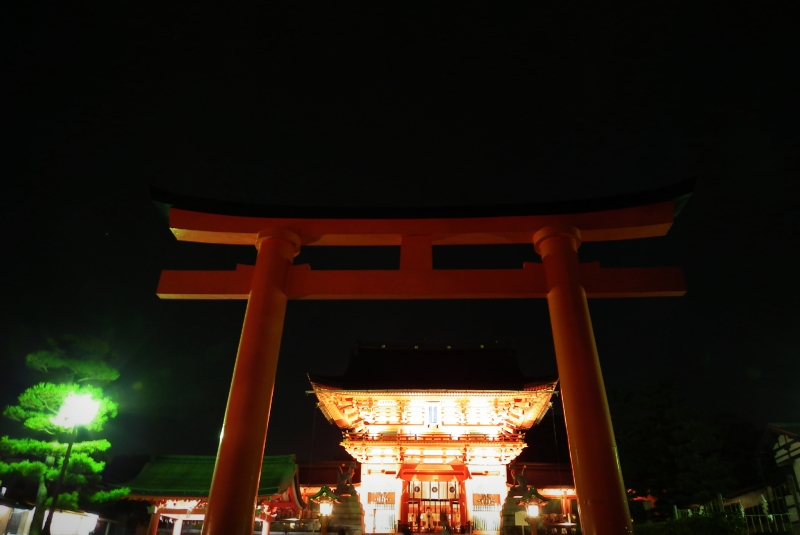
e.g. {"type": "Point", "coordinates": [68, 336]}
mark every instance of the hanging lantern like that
{"type": "Point", "coordinates": [532, 509]}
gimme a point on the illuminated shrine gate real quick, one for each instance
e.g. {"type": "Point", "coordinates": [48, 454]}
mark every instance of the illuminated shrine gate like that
{"type": "Point", "coordinates": [434, 446]}
{"type": "Point", "coordinates": [556, 231]}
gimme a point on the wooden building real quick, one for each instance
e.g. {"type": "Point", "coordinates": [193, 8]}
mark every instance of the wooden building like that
{"type": "Point", "coordinates": [177, 488]}
{"type": "Point", "coordinates": [434, 428]}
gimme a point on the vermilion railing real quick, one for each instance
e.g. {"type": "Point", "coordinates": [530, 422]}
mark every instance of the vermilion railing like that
{"type": "Point", "coordinates": [438, 437]}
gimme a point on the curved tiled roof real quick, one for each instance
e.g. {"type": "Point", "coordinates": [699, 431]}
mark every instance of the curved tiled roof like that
{"type": "Point", "coordinates": [190, 476]}
{"type": "Point", "coordinates": [430, 367]}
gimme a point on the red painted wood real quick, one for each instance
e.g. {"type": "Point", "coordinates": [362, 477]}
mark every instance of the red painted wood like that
{"type": "Point", "coordinates": [416, 253]}
{"type": "Point", "coordinates": [152, 528]}
{"type": "Point", "coordinates": [234, 487]}
{"type": "Point", "coordinates": [602, 500]}
{"type": "Point", "coordinates": [527, 283]}
{"type": "Point", "coordinates": [622, 224]}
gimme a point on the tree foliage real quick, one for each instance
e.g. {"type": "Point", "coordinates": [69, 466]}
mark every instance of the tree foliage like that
{"type": "Point", "coordinates": [81, 366]}
{"type": "Point", "coordinates": [76, 360]}
{"type": "Point", "coordinates": [39, 403]}
{"type": "Point", "coordinates": [671, 451]}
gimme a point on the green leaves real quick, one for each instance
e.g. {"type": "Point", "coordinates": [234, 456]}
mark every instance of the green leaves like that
{"type": "Point", "coordinates": [77, 359]}
{"type": "Point", "coordinates": [83, 463]}
{"type": "Point", "coordinates": [41, 448]}
{"type": "Point", "coordinates": [39, 403]}
{"type": "Point", "coordinates": [81, 365]}
{"type": "Point", "coordinates": [29, 446]}
{"type": "Point", "coordinates": [103, 496]}
{"type": "Point", "coordinates": [23, 468]}
{"type": "Point", "coordinates": [66, 500]}
{"type": "Point", "coordinates": [90, 446]}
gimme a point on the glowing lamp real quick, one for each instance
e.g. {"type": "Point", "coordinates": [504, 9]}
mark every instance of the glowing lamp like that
{"type": "Point", "coordinates": [532, 509]}
{"type": "Point", "coordinates": [77, 409]}
{"type": "Point", "coordinates": [325, 498]}
{"type": "Point", "coordinates": [532, 501]}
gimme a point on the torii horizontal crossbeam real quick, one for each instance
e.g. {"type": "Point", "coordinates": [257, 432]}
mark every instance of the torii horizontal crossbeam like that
{"type": "Point", "coordinates": [526, 283]}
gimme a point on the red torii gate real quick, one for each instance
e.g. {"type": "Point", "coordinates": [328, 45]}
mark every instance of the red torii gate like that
{"type": "Point", "coordinates": [556, 230]}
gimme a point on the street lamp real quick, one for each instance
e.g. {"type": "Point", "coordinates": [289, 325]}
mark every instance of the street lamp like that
{"type": "Point", "coordinates": [532, 501]}
{"type": "Point", "coordinates": [532, 509]}
{"type": "Point", "coordinates": [77, 409]}
{"type": "Point", "coordinates": [325, 508]}
{"type": "Point", "coordinates": [325, 498]}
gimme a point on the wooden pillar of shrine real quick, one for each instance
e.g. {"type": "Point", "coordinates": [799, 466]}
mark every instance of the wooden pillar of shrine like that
{"type": "Point", "coordinates": [602, 500]}
{"type": "Point", "coordinates": [152, 528]}
{"type": "Point", "coordinates": [404, 504]}
{"type": "Point", "coordinates": [234, 487]}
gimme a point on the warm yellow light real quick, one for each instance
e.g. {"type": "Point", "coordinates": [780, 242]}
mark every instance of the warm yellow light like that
{"type": "Point", "coordinates": [532, 509]}
{"type": "Point", "coordinates": [325, 508]}
{"type": "Point", "coordinates": [77, 409]}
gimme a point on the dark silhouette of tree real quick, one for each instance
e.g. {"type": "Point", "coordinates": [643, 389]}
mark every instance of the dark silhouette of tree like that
{"type": "Point", "coordinates": [670, 451]}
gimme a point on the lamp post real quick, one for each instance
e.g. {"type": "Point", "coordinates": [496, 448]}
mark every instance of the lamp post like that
{"type": "Point", "coordinates": [325, 498]}
{"type": "Point", "coordinates": [532, 501]}
{"type": "Point", "coordinates": [77, 409]}
{"type": "Point", "coordinates": [325, 509]}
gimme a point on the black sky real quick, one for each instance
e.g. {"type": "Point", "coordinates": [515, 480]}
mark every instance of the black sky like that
{"type": "Point", "coordinates": [426, 104]}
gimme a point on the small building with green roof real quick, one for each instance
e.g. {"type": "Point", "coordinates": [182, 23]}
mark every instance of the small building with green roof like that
{"type": "Point", "coordinates": [177, 487]}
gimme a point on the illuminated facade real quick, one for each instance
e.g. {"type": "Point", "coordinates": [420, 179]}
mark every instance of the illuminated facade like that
{"type": "Point", "coordinates": [434, 428]}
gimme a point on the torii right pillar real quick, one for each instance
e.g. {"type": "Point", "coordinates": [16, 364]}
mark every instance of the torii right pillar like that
{"type": "Point", "coordinates": [593, 450]}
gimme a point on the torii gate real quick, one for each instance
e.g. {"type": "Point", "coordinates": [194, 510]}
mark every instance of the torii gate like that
{"type": "Point", "coordinates": [556, 230]}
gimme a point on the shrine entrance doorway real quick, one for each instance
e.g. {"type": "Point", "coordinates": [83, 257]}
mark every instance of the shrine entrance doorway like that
{"type": "Point", "coordinates": [429, 503]}
{"type": "Point", "coordinates": [425, 516]}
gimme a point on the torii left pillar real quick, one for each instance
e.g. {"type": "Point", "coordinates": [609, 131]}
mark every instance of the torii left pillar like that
{"type": "Point", "coordinates": [244, 432]}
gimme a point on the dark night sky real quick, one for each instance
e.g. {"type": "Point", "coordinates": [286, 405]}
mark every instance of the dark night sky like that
{"type": "Point", "coordinates": [421, 104]}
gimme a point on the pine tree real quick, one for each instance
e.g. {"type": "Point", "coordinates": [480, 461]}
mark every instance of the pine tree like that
{"type": "Point", "coordinates": [81, 366]}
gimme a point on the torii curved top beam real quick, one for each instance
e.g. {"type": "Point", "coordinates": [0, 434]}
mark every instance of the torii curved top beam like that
{"type": "Point", "coordinates": [635, 215]}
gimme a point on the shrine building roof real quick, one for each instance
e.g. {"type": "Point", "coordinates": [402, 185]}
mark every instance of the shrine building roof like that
{"type": "Point", "coordinates": [172, 476]}
{"type": "Point", "coordinates": [431, 367]}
